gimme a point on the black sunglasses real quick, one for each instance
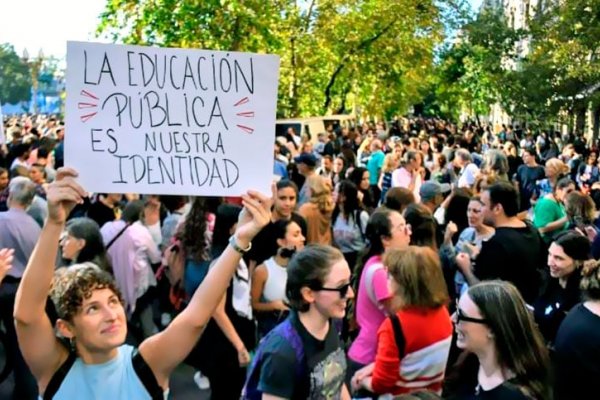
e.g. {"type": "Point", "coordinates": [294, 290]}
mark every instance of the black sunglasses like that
{"type": "Point", "coordinates": [460, 316]}
{"type": "Point", "coordinates": [342, 290]}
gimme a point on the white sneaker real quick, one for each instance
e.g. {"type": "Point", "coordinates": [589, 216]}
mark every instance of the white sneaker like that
{"type": "Point", "coordinates": [202, 381]}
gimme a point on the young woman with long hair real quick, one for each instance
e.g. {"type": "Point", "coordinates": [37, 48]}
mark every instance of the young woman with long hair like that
{"type": "Point", "coordinates": [506, 357]}
{"type": "Point", "coordinates": [97, 363]}
{"type": "Point", "coordinates": [349, 222]}
{"type": "Point", "coordinates": [317, 211]}
{"type": "Point", "coordinates": [303, 357]}
{"type": "Point", "coordinates": [82, 243]}
{"type": "Point", "coordinates": [560, 291]}
{"type": "Point", "coordinates": [270, 277]}
{"type": "Point", "coordinates": [386, 230]}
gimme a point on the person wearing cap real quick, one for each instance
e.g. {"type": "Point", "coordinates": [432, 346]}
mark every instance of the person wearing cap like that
{"type": "Point", "coordinates": [306, 163]}
{"type": "Point", "coordinates": [432, 194]}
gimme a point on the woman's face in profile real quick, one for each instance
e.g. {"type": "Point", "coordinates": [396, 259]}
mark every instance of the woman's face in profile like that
{"type": "Point", "coordinates": [472, 332]}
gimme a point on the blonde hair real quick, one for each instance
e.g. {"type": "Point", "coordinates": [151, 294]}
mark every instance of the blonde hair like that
{"type": "Point", "coordinates": [560, 168]}
{"type": "Point", "coordinates": [390, 162]}
{"type": "Point", "coordinates": [320, 193]}
{"type": "Point", "coordinates": [510, 149]}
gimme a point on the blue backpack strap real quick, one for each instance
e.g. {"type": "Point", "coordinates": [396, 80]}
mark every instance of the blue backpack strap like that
{"type": "Point", "coordinates": [287, 331]}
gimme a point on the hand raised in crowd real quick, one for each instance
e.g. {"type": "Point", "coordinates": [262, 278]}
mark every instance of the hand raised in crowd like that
{"type": "Point", "coordinates": [463, 261]}
{"type": "Point", "coordinates": [471, 250]}
{"type": "Point", "coordinates": [63, 195]}
{"type": "Point", "coordinates": [6, 258]}
{"type": "Point", "coordinates": [451, 230]}
{"type": "Point", "coordinates": [255, 215]}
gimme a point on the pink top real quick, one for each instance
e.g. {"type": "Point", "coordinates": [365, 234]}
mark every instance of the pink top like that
{"type": "Point", "coordinates": [402, 178]}
{"type": "Point", "coordinates": [131, 256]}
{"type": "Point", "coordinates": [369, 315]}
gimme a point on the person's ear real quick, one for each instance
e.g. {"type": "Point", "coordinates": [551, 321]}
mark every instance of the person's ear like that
{"type": "Point", "coordinates": [385, 240]}
{"type": "Point", "coordinates": [80, 244]}
{"type": "Point", "coordinates": [280, 242]}
{"type": "Point", "coordinates": [65, 328]}
{"type": "Point", "coordinates": [308, 294]}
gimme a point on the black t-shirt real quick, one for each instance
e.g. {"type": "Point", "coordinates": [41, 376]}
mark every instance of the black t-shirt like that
{"type": "Point", "coordinates": [506, 391]}
{"type": "Point", "coordinates": [101, 213]}
{"type": "Point", "coordinates": [526, 178]}
{"type": "Point", "coordinates": [462, 384]}
{"type": "Point", "coordinates": [551, 308]}
{"type": "Point", "coordinates": [577, 356]}
{"type": "Point", "coordinates": [324, 370]}
{"type": "Point", "coordinates": [264, 245]}
{"type": "Point", "coordinates": [516, 255]}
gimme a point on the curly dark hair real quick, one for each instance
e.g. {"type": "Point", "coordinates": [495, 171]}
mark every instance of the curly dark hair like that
{"type": "Point", "coordinates": [192, 234]}
{"type": "Point", "coordinates": [71, 286]}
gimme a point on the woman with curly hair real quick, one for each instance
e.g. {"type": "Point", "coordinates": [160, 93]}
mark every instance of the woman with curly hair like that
{"type": "Point", "coordinates": [98, 364]}
{"type": "Point", "coordinates": [318, 211]}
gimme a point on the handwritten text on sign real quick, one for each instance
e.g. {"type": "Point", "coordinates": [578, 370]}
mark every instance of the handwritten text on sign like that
{"type": "Point", "coordinates": [170, 121]}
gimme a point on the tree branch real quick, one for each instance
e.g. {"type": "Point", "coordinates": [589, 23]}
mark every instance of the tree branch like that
{"type": "Point", "coordinates": [362, 45]}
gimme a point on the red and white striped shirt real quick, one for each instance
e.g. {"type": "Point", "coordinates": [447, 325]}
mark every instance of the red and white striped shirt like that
{"type": "Point", "coordinates": [428, 334]}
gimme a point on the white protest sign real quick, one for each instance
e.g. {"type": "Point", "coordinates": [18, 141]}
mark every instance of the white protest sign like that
{"type": "Point", "coordinates": [170, 121]}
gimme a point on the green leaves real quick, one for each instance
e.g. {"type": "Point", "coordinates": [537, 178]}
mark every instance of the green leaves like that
{"type": "Point", "coordinates": [336, 55]}
{"type": "Point", "coordinates": [15, 78]}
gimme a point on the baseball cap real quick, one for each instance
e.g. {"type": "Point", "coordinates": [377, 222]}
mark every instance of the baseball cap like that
{"type": "Point", "coordinates": [306, 158]}
{"type": "Point", "coordinates": [430, 189]}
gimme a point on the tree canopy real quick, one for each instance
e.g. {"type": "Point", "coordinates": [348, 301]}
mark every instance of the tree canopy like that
{"type": "Point", "coordinates": [372, 57]}
{"type": "Point", "coordinates": [15, 78]}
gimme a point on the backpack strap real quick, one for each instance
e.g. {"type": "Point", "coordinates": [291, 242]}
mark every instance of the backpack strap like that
{"type": "Point", "coordinates": [398, 335]}
{"type": "Point", "coordinates": [118, 235]}
{"type": "Point", "coordinates": [59, 376]}
{"type": "Point", "coordinates": [288, 332]}
{"type": "Point", "coordinates": [143, 371]}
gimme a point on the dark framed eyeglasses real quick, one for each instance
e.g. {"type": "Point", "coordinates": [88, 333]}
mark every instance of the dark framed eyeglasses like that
{"type": "Point", "coordinates": [460, 316]}
{"type": "Point", "coordinates": [342, 290]}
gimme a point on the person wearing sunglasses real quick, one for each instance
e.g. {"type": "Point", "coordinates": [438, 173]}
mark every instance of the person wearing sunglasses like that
{"type": "Point", "coordinates": [413, 345]}
{"type": "Point", "coordinates": [303, 357]}
{"type": "Point", "coordinates": [505, 356]}
{"type": "Point", "coordinates": [386, 230]}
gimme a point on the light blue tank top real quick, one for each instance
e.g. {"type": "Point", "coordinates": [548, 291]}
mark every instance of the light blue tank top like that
{"type": "Point", "coordinates": [114, 380]}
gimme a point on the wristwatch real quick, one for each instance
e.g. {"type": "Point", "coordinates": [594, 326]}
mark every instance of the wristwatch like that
{"type": "Point", "coordinates": [236, 247]}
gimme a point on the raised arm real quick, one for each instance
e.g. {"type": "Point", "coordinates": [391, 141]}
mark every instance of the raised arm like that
{"type": "Point", "coordinates": [39, 345]}
{"type": "Point", "coordinates": [165, 350]}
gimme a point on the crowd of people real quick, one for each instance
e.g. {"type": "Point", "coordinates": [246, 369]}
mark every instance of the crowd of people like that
{"type": "Point", "coordinates": [414, 259]}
